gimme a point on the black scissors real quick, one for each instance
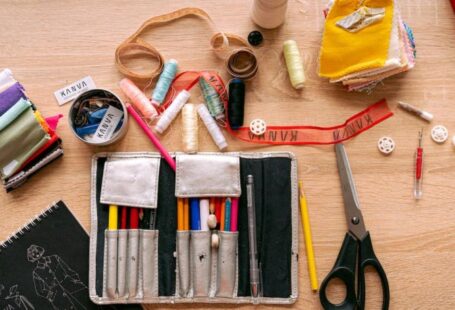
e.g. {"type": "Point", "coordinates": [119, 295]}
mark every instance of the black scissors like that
{"type": "Point", "coordinates": [357, 250]}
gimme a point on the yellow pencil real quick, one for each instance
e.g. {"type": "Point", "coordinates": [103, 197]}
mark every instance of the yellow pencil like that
{"type": "Point", "coordinates": [113, 217]}
{"type": "Point", "coordinates": [308, 241]}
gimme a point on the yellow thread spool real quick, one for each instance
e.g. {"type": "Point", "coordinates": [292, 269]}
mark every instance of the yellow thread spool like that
{"type": "Point", "coordinates": [294, 63]}
{"type": "Point", "coordinates": [190, 128]}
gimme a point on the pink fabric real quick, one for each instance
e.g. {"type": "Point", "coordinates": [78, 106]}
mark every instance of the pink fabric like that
{"type": "Point", "coordinates": [52, 121]}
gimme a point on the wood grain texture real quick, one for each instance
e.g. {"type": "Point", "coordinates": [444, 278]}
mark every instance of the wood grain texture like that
{"type": "Point", "coordinates": [49, 44]}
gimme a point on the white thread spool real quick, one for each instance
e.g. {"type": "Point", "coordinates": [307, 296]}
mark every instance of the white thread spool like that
{"type": "Point", "coordinates": [294, 63]}
{"type": "Point", "coordinates": [190, 128]}
{"type": "Point", "coordinates": [212, 127]}
{"type": "Point", "coordinates": [204, 211]}
{"type": "Point", "coordinates": [268, 14]}
{"type": "Point", "coordinates": [171, 112]}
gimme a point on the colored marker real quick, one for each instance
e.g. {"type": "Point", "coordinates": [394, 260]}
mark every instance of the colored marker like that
{"type": "Point", "coordinates": [113, 217]}
{"type": "Point", "coordinates": [234, 213]}
{"type": "Point", "coordinates": [180, 214]}
{"type": "Point", "coordinates": [151, 136]}
{"type": "Point", "coordinates": [195, 214]}
{"type": "Point", "coordinates": [186, 214]}
{"type": "Point", "coordinates": [223, 214]}
{"type": "Point", "coordinates": [134, 218]}
{"type": "Point", "coordinates": [204, 213]}
{"type": "Point", "coordinates": [218, 210]}
{"type": "Point", "coordinates": [123, 217]}
{"type": "Point", "coordinates": [227, 215]}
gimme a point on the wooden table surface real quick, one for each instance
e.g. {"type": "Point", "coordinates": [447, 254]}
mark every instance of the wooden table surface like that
{"type": "Point", "coordinates": [49, 44]}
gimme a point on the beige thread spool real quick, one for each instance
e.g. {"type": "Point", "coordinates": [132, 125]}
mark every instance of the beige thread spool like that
{"type": "Point", "coordinates": [268, 14]}
{"type": "Point", "coordinates": [294, 63]}
{"type": "Point", "coordinates": [190, 128]}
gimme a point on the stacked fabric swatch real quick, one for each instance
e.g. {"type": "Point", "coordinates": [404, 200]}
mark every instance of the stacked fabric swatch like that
{"type": "Point", "coordinates": [28, 142]}
{"type": "Point", "coordinates": [365, 42]}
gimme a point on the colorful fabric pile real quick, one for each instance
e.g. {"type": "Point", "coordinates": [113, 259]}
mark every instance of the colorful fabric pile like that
{"type": "Point", "coordinates": [365, 42]}
{"type": "Point", "coordinates": [28, 142]}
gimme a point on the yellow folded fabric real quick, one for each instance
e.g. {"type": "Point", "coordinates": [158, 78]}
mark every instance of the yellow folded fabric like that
{"type": "Point", "coordinates": [343, 52]}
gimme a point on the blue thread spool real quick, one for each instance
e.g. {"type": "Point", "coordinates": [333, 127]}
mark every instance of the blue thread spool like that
{"type": "Point", "coordinates": [236, 105]}
{"type": "Point", "coordinates": [164, 82]}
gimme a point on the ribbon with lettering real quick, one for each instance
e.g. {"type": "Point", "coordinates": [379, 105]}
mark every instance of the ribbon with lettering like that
{"type": "Point", "coordinates": [287, 135]}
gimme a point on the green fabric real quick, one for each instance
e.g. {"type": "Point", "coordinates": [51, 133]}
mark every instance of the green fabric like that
{"type": "Point", "coordinates": [19, 141]}
{"type": "Point", "coordinates": [14, 112]}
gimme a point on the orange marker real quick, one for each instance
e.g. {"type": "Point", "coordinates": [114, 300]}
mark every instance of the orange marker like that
{"type": "Point", "coordinates": [186, 214]}
{"type": "Point", "coordinates": [180, 214]}
{"type": "Point", "coordinates": [223, 214]}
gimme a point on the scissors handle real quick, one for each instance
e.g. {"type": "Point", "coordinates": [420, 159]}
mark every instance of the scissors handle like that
{"type": "Point", "coordinates": [368, 258]}
{"type": "Point", "coordinates": [344, 270]}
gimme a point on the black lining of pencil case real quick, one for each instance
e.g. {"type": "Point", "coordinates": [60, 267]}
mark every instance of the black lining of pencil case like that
{"type": "Point", "coordinates": [273, 200]}
{"type": "Point", "coordinates": [166, 224]}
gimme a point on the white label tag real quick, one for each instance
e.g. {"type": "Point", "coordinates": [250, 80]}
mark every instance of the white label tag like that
{"type": "Point", "coordinates": [71, 91]}
{"type": "Point", "coordinates": [108, 124]}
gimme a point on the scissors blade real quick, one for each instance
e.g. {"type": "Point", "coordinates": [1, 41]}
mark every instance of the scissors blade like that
{"type": "Point", "coordinates": [353, 214]}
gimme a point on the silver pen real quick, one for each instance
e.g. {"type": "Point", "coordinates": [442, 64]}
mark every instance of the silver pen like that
{"type": "Point", "coordinates": [254, 268]}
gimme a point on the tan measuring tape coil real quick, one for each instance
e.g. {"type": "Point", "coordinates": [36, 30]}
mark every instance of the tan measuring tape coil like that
{"type": "Point", "coordinates": [241, 62]}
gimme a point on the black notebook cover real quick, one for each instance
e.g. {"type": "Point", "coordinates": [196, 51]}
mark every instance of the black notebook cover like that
{"type": "Point", "coordinates": [45, 265]}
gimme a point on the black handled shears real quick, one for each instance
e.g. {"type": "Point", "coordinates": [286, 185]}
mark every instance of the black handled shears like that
{"type": "Point", "coordinates": [357, 250]}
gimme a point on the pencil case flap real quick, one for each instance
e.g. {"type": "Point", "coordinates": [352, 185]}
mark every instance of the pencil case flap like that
{"type": "Point", "coordinates": [208, 175]}
{"type": "Point", "coordinates": [131, 181]}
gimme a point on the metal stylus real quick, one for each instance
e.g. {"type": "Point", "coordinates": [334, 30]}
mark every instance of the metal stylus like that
{"type": "Point", "coordinates": [254, 268]}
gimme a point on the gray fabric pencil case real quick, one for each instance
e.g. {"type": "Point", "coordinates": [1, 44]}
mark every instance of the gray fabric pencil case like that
{"type": "Point", "coordinates": [166, 265]}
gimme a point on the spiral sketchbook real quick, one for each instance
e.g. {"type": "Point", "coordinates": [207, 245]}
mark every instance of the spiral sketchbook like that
{"type": "Point", "coordinates": [45, 265]}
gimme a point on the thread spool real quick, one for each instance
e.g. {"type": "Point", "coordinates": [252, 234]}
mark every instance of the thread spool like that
{"type": "Point", "coordinates": [212, 99]}
{"type": "Point", "coordinates": [268, 14]}
{"type": "Point", "coordinates": [236, 105]}
{"type": "Point", "coordinates": [190, 128]}
{"type": "Point", "coordinates": [212, 127]}
{"type": "Point", "coordinates": [138, 99]}
{"type": "Point", "coordinates": [164, 82]}
{"type": "Point", "coordinates": [294, 63]}
{"type": "Point", "coordinates": [171, 112]}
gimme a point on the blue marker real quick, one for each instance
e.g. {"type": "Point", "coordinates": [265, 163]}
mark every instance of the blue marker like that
{"type": "Point", "coordinates": [227, 216]}
{"type": "Point", "coordinates": [195, 214]}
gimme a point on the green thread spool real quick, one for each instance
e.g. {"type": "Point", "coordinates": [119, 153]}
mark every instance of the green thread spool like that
{"type": "Point", "coordinates": [212, 99]}
{"type": "Point", "coordinates": [294, 63]}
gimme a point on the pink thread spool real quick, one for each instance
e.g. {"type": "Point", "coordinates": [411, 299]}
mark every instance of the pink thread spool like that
{"type": "Point", "coordinates": [138, 99]}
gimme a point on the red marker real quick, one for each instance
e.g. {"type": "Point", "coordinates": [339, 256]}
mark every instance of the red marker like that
{"type": "Point", "coordinates": [134, 218]}
{"type": "Point", "coordinates": [123, 217]}
{"type": "Point", "coordinates": [218, 209]}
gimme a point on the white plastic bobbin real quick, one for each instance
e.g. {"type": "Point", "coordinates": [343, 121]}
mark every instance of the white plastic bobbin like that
{"type": "Point", "coordinates": [386, 145]}
{"type": "Point", "coordinates": [258, 127]}
{"type": "Point", "coordinates": [439, 134]}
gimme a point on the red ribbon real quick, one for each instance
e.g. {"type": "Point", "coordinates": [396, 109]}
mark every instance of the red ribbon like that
{"type": "Point", "coordinates": [287, 135]}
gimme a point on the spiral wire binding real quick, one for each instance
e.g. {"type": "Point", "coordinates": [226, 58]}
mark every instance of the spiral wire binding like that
{"type": "Point", "coordinates": [27, 227]}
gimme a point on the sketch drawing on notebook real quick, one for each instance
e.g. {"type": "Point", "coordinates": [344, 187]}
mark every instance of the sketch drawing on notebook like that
{"type": "Point", "coordinates": [14, 300]}
{"type": "Point", "coordinates": [55, 281]}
